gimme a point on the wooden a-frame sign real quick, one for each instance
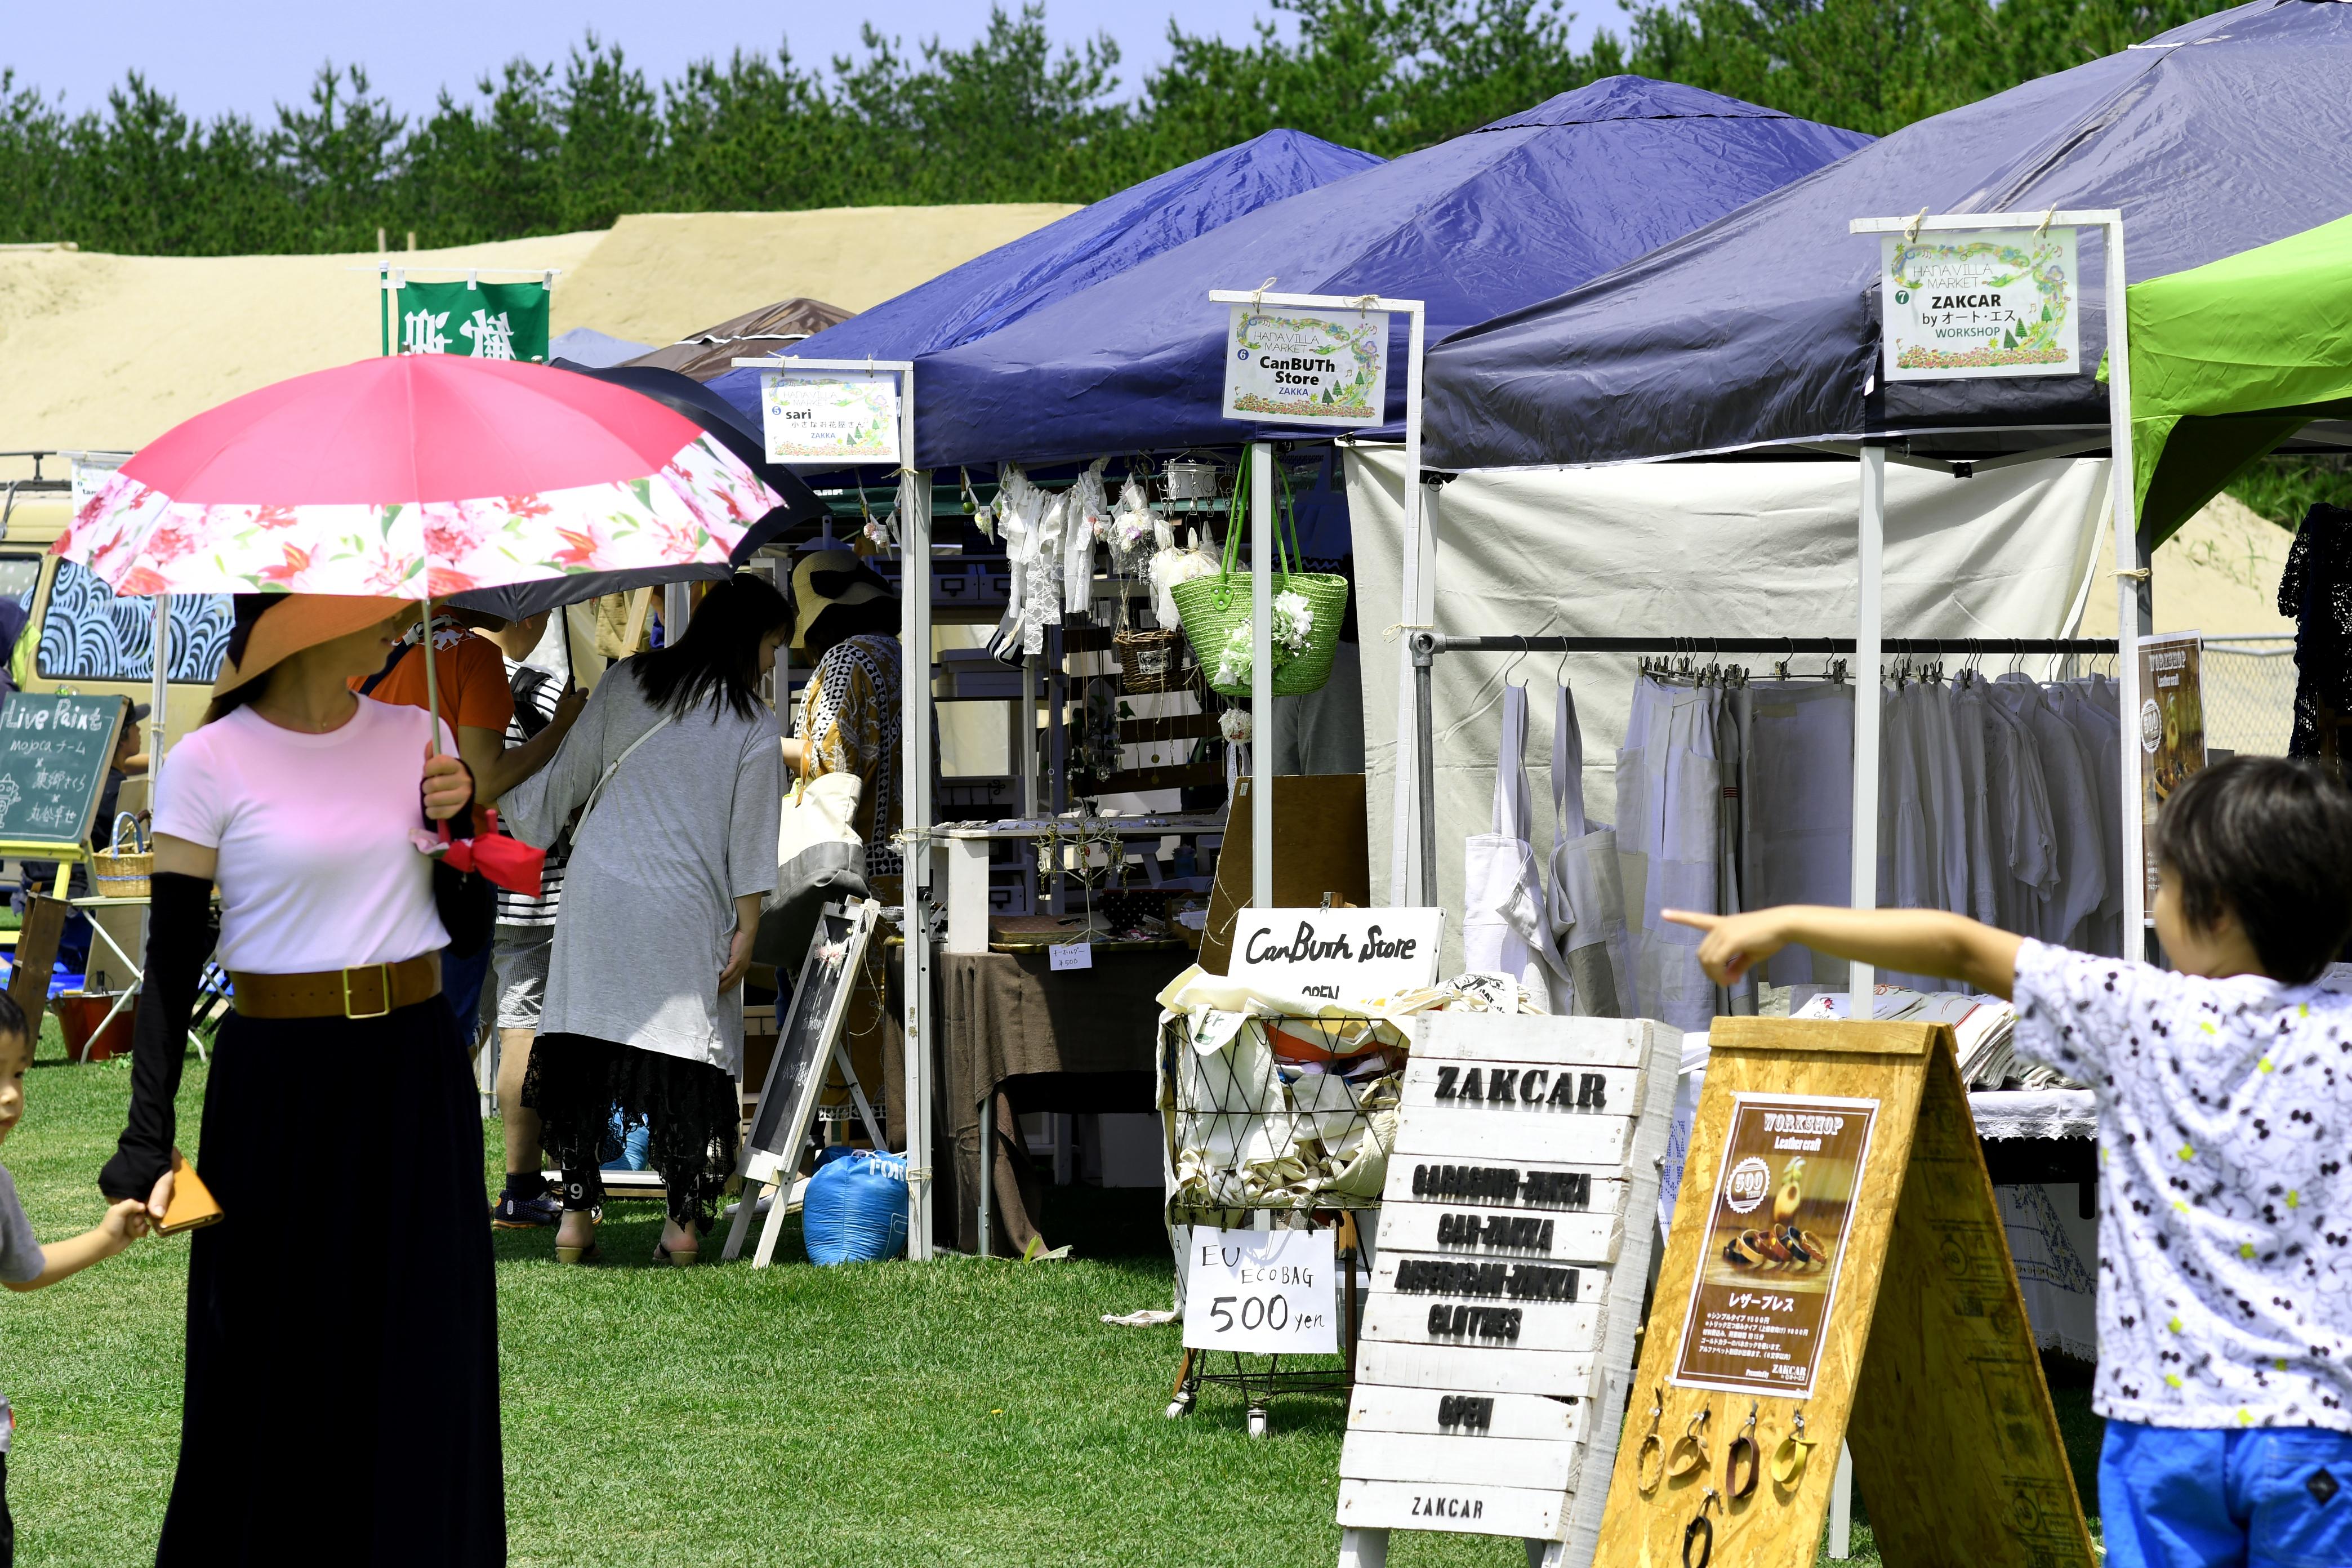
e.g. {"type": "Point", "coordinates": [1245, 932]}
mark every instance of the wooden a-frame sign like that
{"type": "Point", "coordinates": [1892, 1320]}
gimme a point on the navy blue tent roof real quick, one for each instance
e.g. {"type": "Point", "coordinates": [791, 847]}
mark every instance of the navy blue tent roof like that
{"type": "Point", "coordinates": [997, 288]}
{"type": "Point", "coordinates": [1485, 223]}
{"type": "Point", "coordinates": [1763, 327]}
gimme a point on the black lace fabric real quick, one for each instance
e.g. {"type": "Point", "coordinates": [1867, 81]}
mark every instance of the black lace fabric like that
{"type": "Point", "coordinates": [2317, 590]}
{"type": "Point", "coordinates": [691, 1109]}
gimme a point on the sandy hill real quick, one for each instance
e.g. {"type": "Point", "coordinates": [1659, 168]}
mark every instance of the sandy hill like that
{"type": "Point", "coordinates": [108, 352]}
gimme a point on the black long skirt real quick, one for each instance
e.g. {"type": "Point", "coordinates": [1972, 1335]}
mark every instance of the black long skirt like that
{"type": "Point", "coordinates": [343, 1389]}
{"type": "Point", "coordinates": [694, 1112]}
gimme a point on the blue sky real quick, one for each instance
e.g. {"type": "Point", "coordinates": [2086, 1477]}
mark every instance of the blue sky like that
{"type": "Point", "coordinates": [214, 57]}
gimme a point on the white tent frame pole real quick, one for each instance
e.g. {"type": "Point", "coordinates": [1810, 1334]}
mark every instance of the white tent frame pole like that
{"type": "Point", "coordinates": [914, 777]}
{"type": "Point", "coordinates": [1419, 576]}
{"type": "Point", "coordinates": [1867, 708]}
{"type": "Point", "coordinates": [2132, 610]}
{"type": "Point", "coordinates": [1262, 708]}
{"type": "Point", "coordinates": [2133, 602]}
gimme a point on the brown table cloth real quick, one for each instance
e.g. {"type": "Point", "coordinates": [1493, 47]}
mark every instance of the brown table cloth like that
{"type": "Point", "coordinates": [1014, 1031]}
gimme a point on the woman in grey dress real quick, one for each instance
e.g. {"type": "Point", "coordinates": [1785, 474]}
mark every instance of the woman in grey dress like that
{"type": "Point", "coordinates": [676, 763]}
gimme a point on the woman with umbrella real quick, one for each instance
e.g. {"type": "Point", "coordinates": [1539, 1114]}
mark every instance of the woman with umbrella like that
{"type": "Point", "coordinates": [341, 1398]}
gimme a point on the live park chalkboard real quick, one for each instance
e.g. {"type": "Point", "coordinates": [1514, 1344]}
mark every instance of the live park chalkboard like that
{"type": "Point", "coordinates": [54, 754]}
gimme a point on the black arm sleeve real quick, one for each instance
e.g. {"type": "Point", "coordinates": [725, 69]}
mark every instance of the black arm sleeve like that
{"type": "Point", "coordinates": [467, 902]}
{"type": "Point", "coordinates": [180, 937]}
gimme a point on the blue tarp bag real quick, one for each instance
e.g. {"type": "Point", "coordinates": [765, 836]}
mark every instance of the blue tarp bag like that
{"type": "Point", "coordinates": [855, 1210]}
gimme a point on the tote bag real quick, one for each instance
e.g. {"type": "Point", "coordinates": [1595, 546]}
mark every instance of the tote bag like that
{"type": "Point", "coordinates": [1505, 928]}
{"type": "Point", "coordinates": [819, 860]}
{"type": "Point", "coordinates": [1588, 892]}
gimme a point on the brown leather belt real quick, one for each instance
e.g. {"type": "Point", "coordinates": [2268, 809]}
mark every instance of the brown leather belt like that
{"type": "Point", "coordinates": [369, 992]}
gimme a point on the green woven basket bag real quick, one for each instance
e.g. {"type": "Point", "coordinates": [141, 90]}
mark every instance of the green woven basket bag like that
{"type": "Point", "coordinates": [1213, 608]}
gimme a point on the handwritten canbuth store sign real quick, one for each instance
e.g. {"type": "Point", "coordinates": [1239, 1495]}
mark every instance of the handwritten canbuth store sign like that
{"type": "Point", "coordinates": [1769, 1273]}
{"type": "Point", "coordinates": [1346, 956]}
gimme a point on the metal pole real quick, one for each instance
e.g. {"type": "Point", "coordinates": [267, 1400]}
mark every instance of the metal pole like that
{"type": "Point", "coordinates": [1261, 504]}
{"type": "Point", "coordinates": [1424, 645]}
{"type": "Point", "coordinates": [1867, 705]}
{"type": "Point", "coordinates": [158, 721]}
{"type": "Point", "coordinates": [2134, 600]}
{"type": "Point", "coordinates": [1419, 571]}
{"type": "Point", "coordinates": [915, 797]}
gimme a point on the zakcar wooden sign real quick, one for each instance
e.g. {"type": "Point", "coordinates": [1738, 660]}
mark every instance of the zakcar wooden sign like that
{"type": "Point", "coordinates": [1515, 1242]}
{"type": "Point", "coordinates": [1838, 1273]}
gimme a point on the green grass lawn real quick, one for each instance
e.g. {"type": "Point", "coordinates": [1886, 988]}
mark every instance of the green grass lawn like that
{"type": "Point", "coordinates": [892, 1414]}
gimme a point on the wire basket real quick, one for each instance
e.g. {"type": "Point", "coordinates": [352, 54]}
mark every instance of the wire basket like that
{"type": "Point", "coordinates": [1295, 1114]}
{"type": "Point", "coordinates": [119, 873]}
{"type": "Point", "coordinates": [1152, 662]}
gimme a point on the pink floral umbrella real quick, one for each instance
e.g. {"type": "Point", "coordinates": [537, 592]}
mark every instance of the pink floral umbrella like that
{"type": "Point", "coordinates": [416, 477]}
{"type": "Point", "coordinates": [413, 477]}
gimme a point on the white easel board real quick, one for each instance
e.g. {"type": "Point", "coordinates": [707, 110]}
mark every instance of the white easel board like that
{"type": "Point", "coordinates": [1515, 1248]}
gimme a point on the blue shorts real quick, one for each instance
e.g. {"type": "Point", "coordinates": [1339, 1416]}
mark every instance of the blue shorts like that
{"type": "Point", "coordinates": [2264, 1497]}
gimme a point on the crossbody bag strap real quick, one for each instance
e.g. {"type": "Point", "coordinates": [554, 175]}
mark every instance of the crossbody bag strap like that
{"type": "Point", "coordinates": [614, 766]}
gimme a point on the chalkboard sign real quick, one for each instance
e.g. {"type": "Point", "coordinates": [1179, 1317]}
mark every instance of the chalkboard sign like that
{"type": "Point", "coordinates": [55, 750]}
{"type": "Point", "coordinates": [808, 1036]}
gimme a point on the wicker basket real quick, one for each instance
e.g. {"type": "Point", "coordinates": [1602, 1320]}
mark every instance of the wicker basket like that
{"type": "Point", "coordinates": [119, 873]}
{"type": "Point", "coordinates": [1152, 662]}
{"type": "Point", "coordinates": [1212, 608]}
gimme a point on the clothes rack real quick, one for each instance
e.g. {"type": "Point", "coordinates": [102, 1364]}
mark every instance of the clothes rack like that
{"type": "Point", "coordinates": [1426, 645]}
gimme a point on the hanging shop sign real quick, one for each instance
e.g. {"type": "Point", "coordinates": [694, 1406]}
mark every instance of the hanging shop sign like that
{"type": "Point", "coordinates": [1295, 364]}
{"type": "Point", "coordinates": [830, 416]}
{"type": "Point", "coordinates": [1346, 956]}
{"type": "Point", "coordinates": [1768, 1270]}
{"type": "Point", "coordinates": [2171, 732]}
{"type": "Point", "coordinates": [485, 321]}
{"type": "Point", "coordinates": [1264, 1292]}
{"type": "Point", "coordinates": [1892, 1323]}
{"type": "Point", "coordinates": [1514, 1251]}
{"type": "Point", "coordinates": [1979, 302]}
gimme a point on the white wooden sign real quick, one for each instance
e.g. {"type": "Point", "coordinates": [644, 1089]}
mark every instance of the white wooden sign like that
{"type": "Point", "coordinates": [1498, 1330]}
{"type": "Point", "coordinates": [1268, 1292]}
{"type": "Point", "coordinates": [1344, 956]}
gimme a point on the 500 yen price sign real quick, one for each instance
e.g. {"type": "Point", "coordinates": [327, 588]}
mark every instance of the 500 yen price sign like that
{"type": "Point", "coordinates": [1266, 1291]}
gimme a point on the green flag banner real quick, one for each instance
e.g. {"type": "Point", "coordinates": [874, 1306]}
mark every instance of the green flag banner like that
{"type": "Point", "coordinates": [488, 321]}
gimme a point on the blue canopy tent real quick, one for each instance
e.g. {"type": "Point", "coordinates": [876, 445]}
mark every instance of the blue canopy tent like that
{"type": "Point", "coordinates": [995, 289]}
{"type": "Point", "coordinates": [1485, 223]}
{"type": "Point", "coordinates": [1762, 328]}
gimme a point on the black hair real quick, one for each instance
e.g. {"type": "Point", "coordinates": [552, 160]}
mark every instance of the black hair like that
{"type": "Point", "coordinates": [719, 654]}
{"type": "Point", "coordinates": [12, 1021]}
{"type": "Point", "coordinates": [246, 612]}
{"type": "Point", "coordinates": [2270, 841]}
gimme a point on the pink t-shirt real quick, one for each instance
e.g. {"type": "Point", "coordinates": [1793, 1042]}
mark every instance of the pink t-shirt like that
{"type": "Point", "coordinates": [317, 870]}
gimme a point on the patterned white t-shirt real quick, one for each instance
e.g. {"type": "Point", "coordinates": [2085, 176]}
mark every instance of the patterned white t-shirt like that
{"type": "Point", "coordinates": [2225, 1213]}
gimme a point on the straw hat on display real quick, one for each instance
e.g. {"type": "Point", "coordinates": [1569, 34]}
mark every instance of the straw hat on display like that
{"type": "Point", "coordinates": [827, 578]}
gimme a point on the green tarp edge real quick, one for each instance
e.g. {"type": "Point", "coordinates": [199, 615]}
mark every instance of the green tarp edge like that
{"type": "Point", "coordinates": [2229, 359]}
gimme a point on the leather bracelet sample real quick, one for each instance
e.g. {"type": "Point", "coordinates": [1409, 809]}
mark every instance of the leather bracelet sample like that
{"type": "Point", "coordinates": [1736, 1487]}
{"type": "Point", "coordinates": [1700, 1531]}
{"type": "Point", "coordinates": [1690, 1456]}
{"type": "Point", "coordinates": [1788, 1459]}
{"type": "Point", "coordinates": [1650, 1459]}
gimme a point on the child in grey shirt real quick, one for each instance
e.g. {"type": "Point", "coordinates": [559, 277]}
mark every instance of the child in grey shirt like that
{"type": "Point", "coordinates": [25, 1264]}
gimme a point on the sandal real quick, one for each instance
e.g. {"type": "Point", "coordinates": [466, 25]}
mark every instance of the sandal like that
{"type": "Point", "coordinates": [668, 1257]}
{"type": "Point", "coordinates": [576, 1254]}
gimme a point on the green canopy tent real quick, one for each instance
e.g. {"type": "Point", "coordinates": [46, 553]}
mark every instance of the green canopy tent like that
{"type": "Point", "coordinates": [2233, 358]}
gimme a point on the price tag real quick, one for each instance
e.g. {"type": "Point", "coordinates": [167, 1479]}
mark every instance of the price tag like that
{"type": "Point", "coordinates": [1265, 1291]}
{"type": "Point", "coordinates": [1071, 955]}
